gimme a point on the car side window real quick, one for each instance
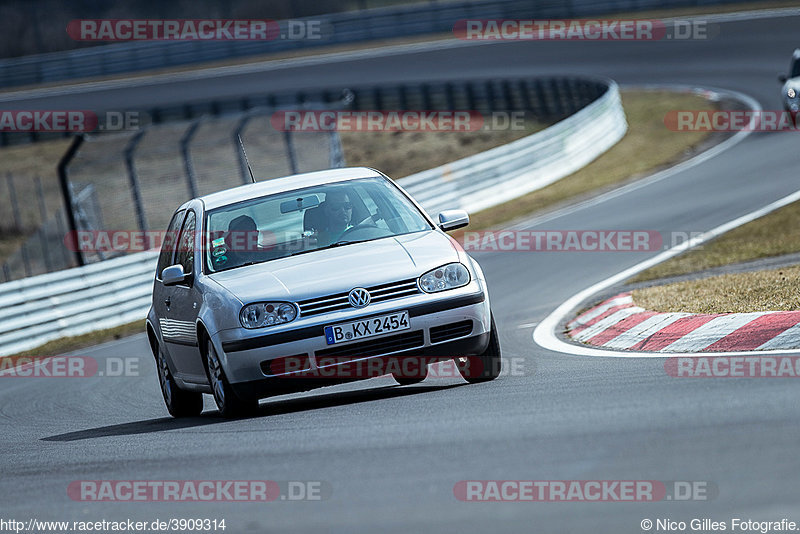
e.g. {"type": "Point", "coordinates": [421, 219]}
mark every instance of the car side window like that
{"type": "Point", "coordinates": [185, 255]}
{"type": "Point", "coordinates": [168, 247]}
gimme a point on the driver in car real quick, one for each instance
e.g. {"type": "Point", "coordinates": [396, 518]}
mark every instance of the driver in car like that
{"type": "Point", "coordinates": [339, 214]}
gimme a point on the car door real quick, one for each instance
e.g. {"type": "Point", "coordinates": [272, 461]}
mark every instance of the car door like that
{"type": "Point", "coordinates": [181, 308]}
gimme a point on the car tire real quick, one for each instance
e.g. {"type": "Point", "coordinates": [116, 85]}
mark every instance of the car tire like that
{"type": "Point", "coordinates": [229, 404]}
{"type": "Point", "coordinates": [179, 403]}
{"type": "Point", "coordinates": [485, 366]}
{"type": "Point", "coordinates": [408, 380]}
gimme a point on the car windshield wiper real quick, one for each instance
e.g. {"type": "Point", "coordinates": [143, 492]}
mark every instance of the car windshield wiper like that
{"type": "Point", "coordinates": [332, 245]}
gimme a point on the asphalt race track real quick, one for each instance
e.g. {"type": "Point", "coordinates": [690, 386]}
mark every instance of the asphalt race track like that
{"type": "Point", "coordinates": [392, 455]}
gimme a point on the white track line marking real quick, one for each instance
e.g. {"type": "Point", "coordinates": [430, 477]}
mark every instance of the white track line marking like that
{"type": "Point", "coordinates": [737, 138]}
{"type": "Point", "coordinates": [600, 310]}
{"type": "Point", "coordinates": [545, 335]}
{"type": "Point", "coordinates": [711, 332]}
{"type": "Point", "coordinates": [787, 338]}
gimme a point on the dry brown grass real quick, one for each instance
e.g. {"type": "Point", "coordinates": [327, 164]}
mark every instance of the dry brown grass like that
{"type": "Point", "coordinates": [647, 147]}
{"type": "Point", "coordinates": [774, 234]}
{"type": "Point", "coordinates": [771, 290]}
{"type": "Point", "coordinates": [71, 344]}
{"type": "Point", "coordinates": [400, 154]}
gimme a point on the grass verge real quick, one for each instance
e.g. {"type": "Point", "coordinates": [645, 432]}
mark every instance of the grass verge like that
{"type": "Point", "coordinates": [401, 154]}
{"type": "Point", "coordinates": [647, 147]}
{"type": "Point", "coordinates": [774, 234]}
{"type": "Point", "coordinates": [769, 290]}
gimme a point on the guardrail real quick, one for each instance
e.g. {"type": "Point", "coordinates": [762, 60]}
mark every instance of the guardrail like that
{"type": "Point", "coordinates": [509, 171]}
{"type": "Point", "coordinates": [114, 292]}
{"type": "Point", "coordinates": [338, 28]}
{"type": "Point", "coordinates": [68, 303]}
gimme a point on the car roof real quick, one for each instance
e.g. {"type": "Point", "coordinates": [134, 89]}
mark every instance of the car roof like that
{"type": "Point", "coordinates": [286, 183]}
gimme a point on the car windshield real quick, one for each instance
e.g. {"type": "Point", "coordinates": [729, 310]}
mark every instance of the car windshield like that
{"type": "Point", "coordinates": [305, 220]}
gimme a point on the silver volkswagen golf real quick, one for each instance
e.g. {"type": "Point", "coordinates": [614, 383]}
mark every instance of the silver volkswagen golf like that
{"type": "Point", "coordinates": [311, 280]}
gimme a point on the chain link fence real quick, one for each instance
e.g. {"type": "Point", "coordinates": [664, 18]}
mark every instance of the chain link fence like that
{"type": "Point", "coordinates": [133, 181]}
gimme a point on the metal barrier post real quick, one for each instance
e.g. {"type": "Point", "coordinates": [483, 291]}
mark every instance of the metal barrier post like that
{"type": "Point", "coordinates": [12, 196]}
{"type": "Point", "coordinates": [287, 135]}
{"type": "Point", "coordinates": [66, 194]}
{"type": "Point", "coordinates": [134, 180]}
{"type": "Point", "coordinates": [43, 216]}
{"type": "Point", "coordinates": [186, 140]}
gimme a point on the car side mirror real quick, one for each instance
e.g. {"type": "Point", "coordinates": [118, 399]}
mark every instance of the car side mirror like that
{"type": "Point", "coordinates": [453, 219]}
{"type": "Point", "coordinates": [782, 78]}
{"type": "Point", "coordinates": [173, 275]}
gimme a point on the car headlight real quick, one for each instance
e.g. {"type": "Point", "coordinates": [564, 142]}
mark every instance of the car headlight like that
{"type": "Point", "coordinates": [791, 93]}
{"type": "Point", "coordinates": [446, 277]}
{"type": "Point", "coordinates": [264, 314]}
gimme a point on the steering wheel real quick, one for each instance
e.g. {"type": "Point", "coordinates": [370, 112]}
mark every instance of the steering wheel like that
{"type": "Point", "coordinates": [360, 226]}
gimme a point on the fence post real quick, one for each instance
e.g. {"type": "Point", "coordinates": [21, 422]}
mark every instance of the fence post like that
{"type": "Point", "coordinates": [66, 194]}
{"type": "Point", "coordinates": [337, 160]}
{"type": "Point", "coordinates": [130, 151]}
{"type": "Point", "coordinates": [187, 157]}
{"type": "Point", "coordinates": [42, 227]}
{"type": "Point", "coordinates": [287, 136]}
{"type": "Point", "coordinates": [12, 196]}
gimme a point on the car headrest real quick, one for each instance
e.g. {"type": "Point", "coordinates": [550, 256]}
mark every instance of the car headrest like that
{"type": "Point", "coordinates": [243, 223]}
{"type": "Point", "coordinates": [314, 218]}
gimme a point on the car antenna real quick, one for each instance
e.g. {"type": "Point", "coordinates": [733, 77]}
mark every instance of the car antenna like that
{"type": "Point", "coordinates": [252, 178]}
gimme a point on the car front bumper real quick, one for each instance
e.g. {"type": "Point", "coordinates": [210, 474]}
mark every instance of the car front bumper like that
{"type": "Point", "coordinates": [299, 358]}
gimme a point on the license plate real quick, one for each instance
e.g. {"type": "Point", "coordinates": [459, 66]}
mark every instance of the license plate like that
{"type": "Point", "coordinates": [374, 326]}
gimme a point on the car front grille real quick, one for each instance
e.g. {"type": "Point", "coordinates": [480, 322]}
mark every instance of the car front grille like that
{"type": "Point", "coordinates": [450, 331]}
{"type": "Point", "coordinates": [380, 293]}
{"type": "Point", "coordinates": [375, 347]}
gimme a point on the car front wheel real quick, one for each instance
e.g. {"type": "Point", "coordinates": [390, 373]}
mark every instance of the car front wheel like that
{"type": "Point", "coordinates": [179, 403]}
{"type": "Point", "coordinates": [228, 402]}
{"type": "Point", "coordinates": [486, 366]}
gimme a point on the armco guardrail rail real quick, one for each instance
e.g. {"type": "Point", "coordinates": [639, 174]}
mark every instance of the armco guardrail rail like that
{"type": "Point", "coordinates": [67, 303]}
{"type": "Point", "coordinates": [336, 28]}
{"type": "Point", "coordinates": [114, 292]}
{"type": "Point", "coordinates": [509, 171]}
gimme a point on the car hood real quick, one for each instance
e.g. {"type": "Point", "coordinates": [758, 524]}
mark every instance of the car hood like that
{"type": "Point", "coordinates": [340, 269]}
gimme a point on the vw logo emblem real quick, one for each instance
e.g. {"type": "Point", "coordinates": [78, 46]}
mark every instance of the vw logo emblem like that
{"type": "Point", "coordinates": [359, 297]}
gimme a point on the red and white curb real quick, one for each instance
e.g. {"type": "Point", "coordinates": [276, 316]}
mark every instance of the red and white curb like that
{"type": "Point", "coordinates": [618, 323]}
